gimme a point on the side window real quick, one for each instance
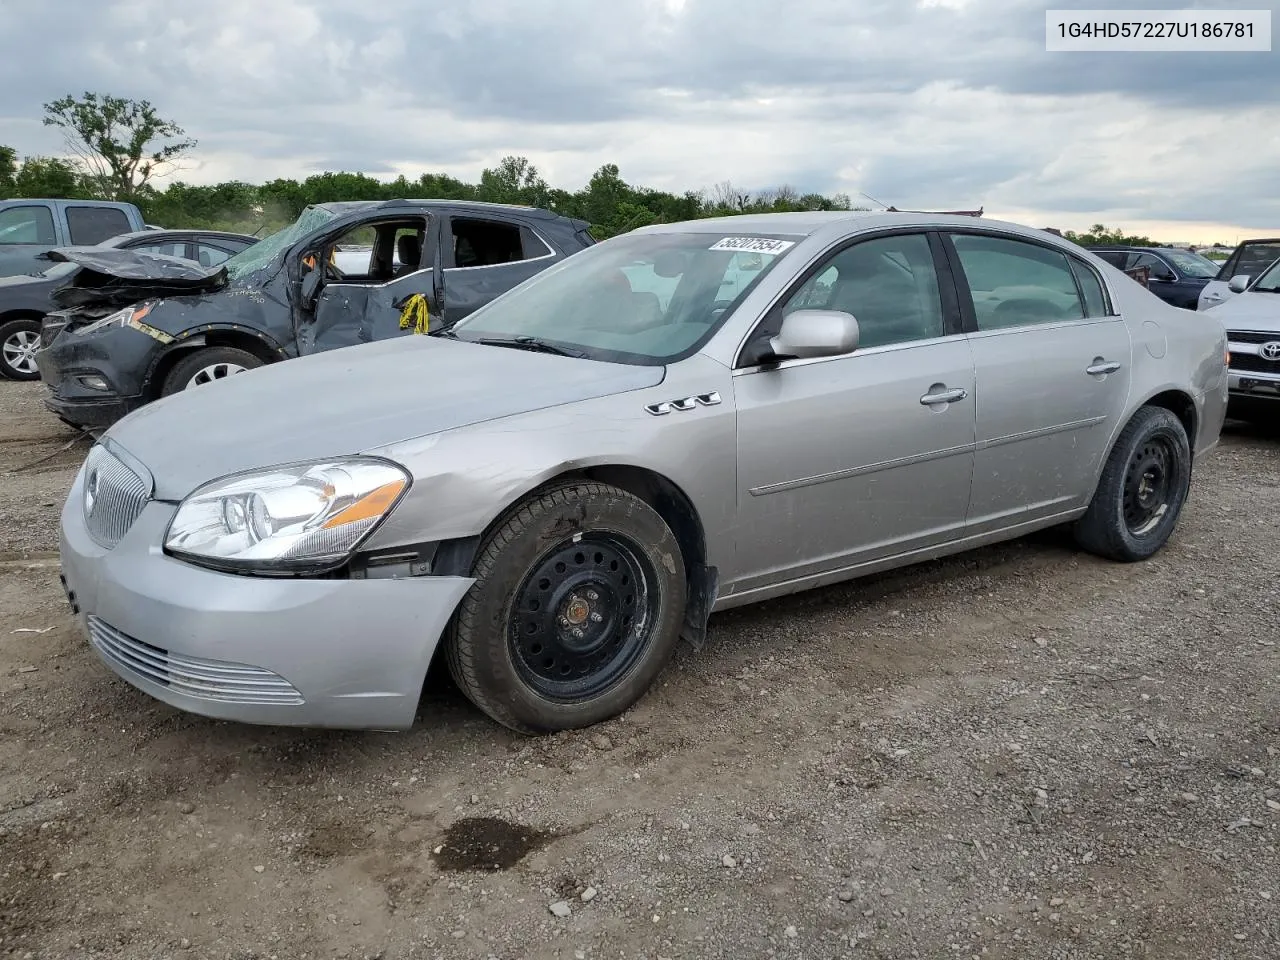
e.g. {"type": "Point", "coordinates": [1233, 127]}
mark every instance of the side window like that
{"type": "Point", "coordinates": [27, 224]}
{"type": "Point", "coordinates": [211, 256]}
{"type": "Point", "coordinates": [489, 243]}
{"type": "Point", "coordinates": [1015, 283]}
{"type": "Point", "coordinates": [1255, 258]}
{"type": "Point", "coordinates": [1116, 258]}
{"type": "Point", "coordinates": [1159, 269]}
{"type": "Point", "coordinates": [1095, 301]}
{"type": "Point", "coordinates": [92, 225]}
{"type": "Point", "coordinates": [164, 249]}
{"type": "Point", "coordinates": [888, 284]}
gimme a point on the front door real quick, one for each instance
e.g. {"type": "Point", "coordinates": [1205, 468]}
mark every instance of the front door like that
{"type": "Point", "coordinates": [1053, 370]}
{"type": "Point", "coordinates": [849, 459]}
{"type": "Point", "coordinates": [371, 271]}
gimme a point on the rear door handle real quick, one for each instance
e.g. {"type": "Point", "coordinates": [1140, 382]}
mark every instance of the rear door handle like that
{"type": "Point", "coordinates": [945, 396]}
{"type": "Point", "coordinates": [1102, 367]}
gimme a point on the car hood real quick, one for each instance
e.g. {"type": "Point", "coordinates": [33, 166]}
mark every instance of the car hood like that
{"type": "Point", "coordinates": [1250, 311]}
{"type": "Point", "coordinates": [352, 400]}
{"type": "Point", "coordinates": [111, 277]}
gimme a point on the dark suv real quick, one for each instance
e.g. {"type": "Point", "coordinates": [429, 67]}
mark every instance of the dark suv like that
{"type": "Point", "coordinates": [419, 266]}
{"type": "Point", "coordinates": [1176, 276]}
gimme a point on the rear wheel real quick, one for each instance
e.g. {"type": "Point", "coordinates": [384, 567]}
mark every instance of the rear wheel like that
{"type": "Point", "coordinates": [207, 365]}
{"type": "Point", "coordinates": [1143, 487]}
{"type": "Point", "coordinates": [19, 341]}
{"type": "Point", "coordinates": [577, 606]}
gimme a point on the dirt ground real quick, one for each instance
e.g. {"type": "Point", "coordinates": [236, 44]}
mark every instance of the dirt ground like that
{"type": "Point", "coordinates": [1022, 752]}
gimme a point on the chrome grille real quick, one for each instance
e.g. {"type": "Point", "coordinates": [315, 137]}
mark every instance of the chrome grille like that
{"type": "Point", "coordinates": [114, 497]}
{"type": "Point", "coordinates": [192, 676]}
{"type": "Point", "coordinates": [1251, 336]}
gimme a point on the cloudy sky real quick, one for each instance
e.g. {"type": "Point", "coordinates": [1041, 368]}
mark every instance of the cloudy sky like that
{"type": "Point", "coordinates": [918, 103]}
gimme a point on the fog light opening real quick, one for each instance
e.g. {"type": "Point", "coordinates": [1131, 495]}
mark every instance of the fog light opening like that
{"type": "Point", "coordinates": [95, 383]}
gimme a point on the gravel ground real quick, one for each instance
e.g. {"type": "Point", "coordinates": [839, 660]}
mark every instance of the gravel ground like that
{"type": "Point", "coordinates": [1022, 752]}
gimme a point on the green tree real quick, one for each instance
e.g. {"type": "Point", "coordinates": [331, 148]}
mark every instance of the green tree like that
{"type": "Point", "coordinates": [48, 177]}
{"type": "Point", "coordinates": [1100, 234]}
{"type": "Point", "coordinates": [8, 170]}
{"type": "Point", "coordinates": [123, 144]}
{"type": "Point", "coordinates": [514, 180]}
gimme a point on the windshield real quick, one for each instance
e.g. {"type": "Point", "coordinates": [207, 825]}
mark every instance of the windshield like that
{"type": "Point", "coordinates": [645, 298]}
{"type": "Point", "coordinates": [1192, 265]}
{"type": "Point", "coordinates": [1250, 259]}
{"type": "Point", "coordinates": [1269, 282]}
{"type": "Point", "coordinates": [267, 250]}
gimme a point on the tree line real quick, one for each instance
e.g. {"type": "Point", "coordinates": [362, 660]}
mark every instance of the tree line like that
{"type": "Point", "coordinates": [119, 148]}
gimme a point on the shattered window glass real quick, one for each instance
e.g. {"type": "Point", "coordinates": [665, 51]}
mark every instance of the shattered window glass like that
{"type": "Point", "coordinates": [267, 251]}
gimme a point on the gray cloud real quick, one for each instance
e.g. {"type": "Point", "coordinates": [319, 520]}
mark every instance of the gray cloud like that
{"type": "Point", "coordinates": [917, 103]}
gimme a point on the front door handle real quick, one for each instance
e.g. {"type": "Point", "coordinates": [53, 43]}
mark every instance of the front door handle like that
{"type": "Point", "coordinates": [944, 396]}
{"type": "Point", "coordinates": [1101, 368]}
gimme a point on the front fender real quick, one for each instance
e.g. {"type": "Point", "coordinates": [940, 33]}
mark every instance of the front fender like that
{"type": "Point", "coordinates": [465, 478]}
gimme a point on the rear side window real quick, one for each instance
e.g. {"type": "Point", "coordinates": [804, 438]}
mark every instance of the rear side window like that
{"type": "Point", "coordinates": [27, 224]}
{"type": "Point", "coordinates": [92, 225]}
{"type": "Point", "coordinates": [211, 256]}
{"type": "Point", "coordinates": [1095, 301]}
{"type": "Point", "coordinates": [1116, 258]}
{"type": "Point", "coordinates": [491, 243]}
{"type": "Point", "coordinates": [1015, 283]}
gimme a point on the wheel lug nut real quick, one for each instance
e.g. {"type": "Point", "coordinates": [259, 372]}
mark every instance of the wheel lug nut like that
{"type": "Point", "coordinates": [564, 621]}
{"type": "Point", "coordinates": [596, 618]}
{"type": "Point", "coordinates": [577, 633]}
{"type": "Point", "coordinates": [592, 595]}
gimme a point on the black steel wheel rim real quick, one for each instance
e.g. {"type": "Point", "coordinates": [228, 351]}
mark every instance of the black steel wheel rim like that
{"type": "Point", "coordinates": [583, 616]}
{"type": "Point", "coordinates": [1148, 485]}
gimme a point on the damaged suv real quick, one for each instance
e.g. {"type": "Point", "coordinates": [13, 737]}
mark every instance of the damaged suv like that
{"type": "Point", "coordinates": [131, 335]}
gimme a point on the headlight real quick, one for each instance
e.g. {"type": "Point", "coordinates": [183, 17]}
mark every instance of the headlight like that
{"type": "Point", "coordinates": [305, 516]}
{"type": "Point", "coordinates": [126, 317]}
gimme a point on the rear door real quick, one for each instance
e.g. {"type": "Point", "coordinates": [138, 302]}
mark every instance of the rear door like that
{"type": "Point", "coordinates": [1052, 360]}
{"type": "Point", "coordinates": [484, 256]}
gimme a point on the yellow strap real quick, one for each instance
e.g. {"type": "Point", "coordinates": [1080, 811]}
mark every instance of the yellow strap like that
{"type": "Point", "coordinates": [416, 314]}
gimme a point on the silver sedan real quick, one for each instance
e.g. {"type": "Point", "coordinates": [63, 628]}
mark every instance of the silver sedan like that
{"type": "Point", "coordinates": [686, 418]}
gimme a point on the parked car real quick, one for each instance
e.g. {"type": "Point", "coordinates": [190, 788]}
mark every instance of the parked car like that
{"type": "Point", "coordinates": [1175, 276]}
{"type": "Point", "coordinates": [1248, 261]}
{"type": "Point", "coordinates": [285, 297]}
{"type": "Point", "coordinates": [560, 485]}
{"type": "Point", "coordinates": [30, 227]}
{"type": "Point", "coordinates": [1252, 320]}
{"type": "Point", "coordinates": [26, 299]}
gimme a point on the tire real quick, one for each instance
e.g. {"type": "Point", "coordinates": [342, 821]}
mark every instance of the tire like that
{"type": "Point", "coordinates": [19, 339]}
{"type": "Point", "coordinates": [1123, 522]}
{"type": "Point", "coordinates": [573, 557]}
{"type": "Point", "coordinates": [208, 364]}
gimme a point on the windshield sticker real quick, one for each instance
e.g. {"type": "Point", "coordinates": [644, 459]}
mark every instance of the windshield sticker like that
{"type": "Point", "coordinates": [753, 244]}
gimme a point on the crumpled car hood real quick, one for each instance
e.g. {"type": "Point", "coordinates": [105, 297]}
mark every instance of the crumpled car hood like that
{"type": "Point", "coordinates": [110, 277]}
{"type": "Point", "coordinates": [1252, 311]}
{"type": "Point", "coordinates": [352, 400]}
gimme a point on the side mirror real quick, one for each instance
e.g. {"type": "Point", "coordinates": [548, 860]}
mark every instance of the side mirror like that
{"type": "Point", "coordinates": [1163, 276]}
{"type": "Point", "coordinates": [815, 333]}
{"type": "Point", "coordinates": [1239, 283]}
{"type": "Point", "coordinates": [311, 284]}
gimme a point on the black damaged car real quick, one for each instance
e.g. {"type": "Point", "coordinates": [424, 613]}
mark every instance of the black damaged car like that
{"type": "Point", "coordinates": [134, 327]}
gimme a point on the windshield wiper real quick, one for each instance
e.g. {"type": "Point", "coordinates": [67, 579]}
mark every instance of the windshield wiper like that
{"type": "Point", "coordinates": [530, 343]}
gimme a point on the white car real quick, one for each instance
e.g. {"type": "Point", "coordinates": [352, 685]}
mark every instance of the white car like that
{"type": "Point", "coordinates": [1250, 259]}
{"type": "Point", "coordinates": [1252, 319]}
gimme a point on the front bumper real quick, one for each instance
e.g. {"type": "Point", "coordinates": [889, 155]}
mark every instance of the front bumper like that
{"type": "Point", "coordinates": [289, 651]}
{"type": "Point", "coordinates": [120, 357]}
{"type": "Point", "coordinates": [1251, 385]}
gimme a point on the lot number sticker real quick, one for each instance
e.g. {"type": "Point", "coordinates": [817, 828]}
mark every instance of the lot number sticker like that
{"type": "Point", "coordinates": [753, 244]}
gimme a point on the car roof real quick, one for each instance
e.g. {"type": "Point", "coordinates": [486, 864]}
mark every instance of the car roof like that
{"type": "Point", "coordinates": [178, 234]}
{"type": "Point", "coordinates": [806, 223]}
{"type": "Point", "coordinates": [344, 207]}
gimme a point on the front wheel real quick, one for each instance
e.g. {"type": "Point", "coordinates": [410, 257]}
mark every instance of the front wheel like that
{"type": "Point", "coordinates": [1143, 487]}
{"type": "Point", "coordinates": [577, 606]}
{"type": "Point", "coordinates": [19, 341]}
{"type": "Point", "coordinates": [207, 365]}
